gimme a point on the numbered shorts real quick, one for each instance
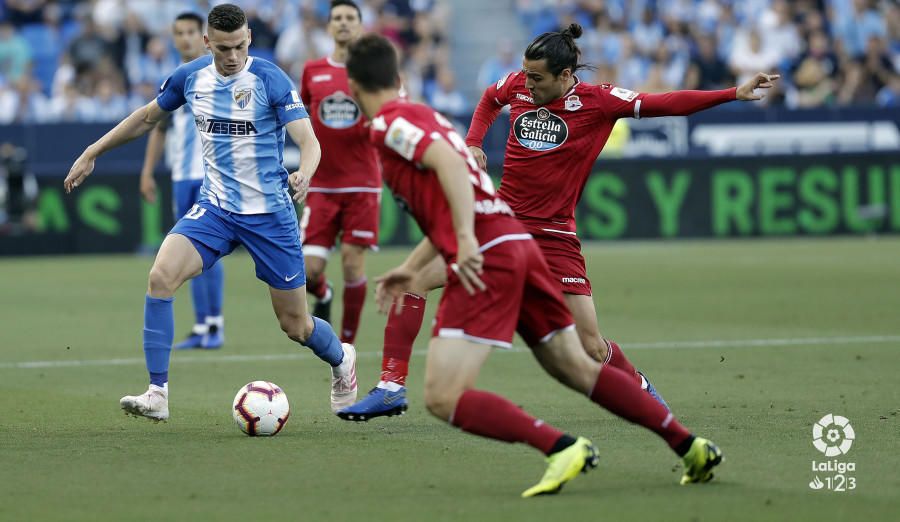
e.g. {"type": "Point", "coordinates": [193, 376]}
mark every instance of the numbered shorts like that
{"type": "Point", "coordinates": [185, 194]}
{"type": "Point", "coordinates": [521, 296]}
{"type": "Point", "coordinates": [273, 241]}
{"type": "Point", "coordinates": [353, 215]}
{"type": "Point", "coordinates": [562, 250]}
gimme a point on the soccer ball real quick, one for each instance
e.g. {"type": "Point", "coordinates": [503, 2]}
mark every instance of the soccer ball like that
{"type": "Point", "coordinates": [260, 408]}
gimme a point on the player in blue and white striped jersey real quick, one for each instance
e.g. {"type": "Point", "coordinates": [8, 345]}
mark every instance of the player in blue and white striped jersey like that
{"type": "Point", "coordinates": [184, 156]}
{"type": "Point", "coordinates": [242, 107]}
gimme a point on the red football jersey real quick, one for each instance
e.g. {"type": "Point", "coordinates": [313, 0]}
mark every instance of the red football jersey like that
{"type": "Point", "coordinates": [349, 163]}
{"type": "Point", "coordinates": [552, 148]}
{"type": "Point", "coordinates": [402, 131]}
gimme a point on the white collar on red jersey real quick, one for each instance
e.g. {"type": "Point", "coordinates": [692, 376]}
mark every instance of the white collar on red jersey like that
{"type": "Point", "coordinates": [334, 63]}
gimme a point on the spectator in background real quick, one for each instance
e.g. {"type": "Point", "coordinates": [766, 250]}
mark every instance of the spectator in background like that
{"type": "Point", "coordinates": [303, 41]}
{"type": "Point", "coordinates": [782, 37]}
{"type": "Point", "coordinates": [813, 83]}
{"type": "Point", "coordinates": [499, 65]}
{"type": "Point", "coordinates": [15, 55]}
{"type": "Point", "coordinates": [648, 33]}
{"type": "Point", "coordinates": [18, 191]}
{"type": "Point", "coordinates": [749, 56]}
{"type": "Point", "coordinates": [109, 102]}
{"type": "Point", "coordinates": [632, 67]}
{"type": "Point", "coordinates": [707, 71]}
{"type": "Point", "coordinates": [853, 30]}
{"type": "Point", "coordinates": [889, 95]}
{"type": "Point", "coordinates": [155, 64]}
{"type": "Point", "coordinates": [21, 12]}
{"type": "Point", "coordinates": [656, 80]}
{"type": "Point", "coordinates": [88, 48]}
{"type": "Point", "coordinates": [448, 100]}
{"type": "Point", "coordinates": [877, 63]}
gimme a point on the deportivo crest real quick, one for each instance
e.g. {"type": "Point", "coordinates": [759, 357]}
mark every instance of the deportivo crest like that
{"type": "Point", "coordinates": [339, 111]}
{"type": "Point", "coordinates": [242, 97]}
{"type": "Point", "coordinates": [573, 103]}
{"type": "Point", "coordinates": [540, 130]}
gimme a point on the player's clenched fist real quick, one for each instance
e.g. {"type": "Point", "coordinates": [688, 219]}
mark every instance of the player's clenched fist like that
{"type": "Point", "coordinates": [80, 170]}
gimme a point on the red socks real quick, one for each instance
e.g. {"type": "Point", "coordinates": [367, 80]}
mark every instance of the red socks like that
{"type": "Point", "coordinates": [354, 299]}
{"type": "Point", "coordinates": [617, 392]}
{"type": "Point", "coordinates": [617, 359]}
{"type": "Point", "coordinates": [488, 415]}
{"type": "Point", "coordinates": [317, 288]}
{"type": "Point", "coordinates": [399, 335]}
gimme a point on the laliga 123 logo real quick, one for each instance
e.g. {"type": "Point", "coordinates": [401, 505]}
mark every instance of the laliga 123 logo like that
{"type": "Point", "coordinates": [833, 436]}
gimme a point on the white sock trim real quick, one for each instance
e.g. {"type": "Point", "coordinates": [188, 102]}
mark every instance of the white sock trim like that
{"type": "Point", "coordinates": [200, 329]}
{"type": "Point", "coordinates": [389, 386]}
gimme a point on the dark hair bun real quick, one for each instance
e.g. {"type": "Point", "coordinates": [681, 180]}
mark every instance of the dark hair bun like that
{"type": "Point", "coordinates": [574, 31]}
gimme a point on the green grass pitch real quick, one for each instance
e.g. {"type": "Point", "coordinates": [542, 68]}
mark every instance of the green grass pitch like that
{"type": "Point", "coordinates": [751, 342]}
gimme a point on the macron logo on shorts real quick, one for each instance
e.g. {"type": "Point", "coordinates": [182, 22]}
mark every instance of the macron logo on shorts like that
{"type": "Point", "coordinates": [574, 280]}
{"type": "Point", "coordinates": [368, 234]}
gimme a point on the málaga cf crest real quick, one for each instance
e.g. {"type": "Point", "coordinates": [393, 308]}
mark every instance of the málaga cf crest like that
{"type": "Point", "coordinates": [242, 97]}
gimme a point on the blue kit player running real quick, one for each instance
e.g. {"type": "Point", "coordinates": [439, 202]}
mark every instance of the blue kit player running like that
{"type": "Point", "coordinates": [179, 137]}
{"type": "Point", "coordinates": [241, 107]}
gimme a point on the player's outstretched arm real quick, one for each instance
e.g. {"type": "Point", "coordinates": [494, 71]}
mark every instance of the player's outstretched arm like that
{"type": "Point", "coordinates": [134, 126]}
{"type": "Point", "coordinates": [683, 103]}
{"type": "Point", "coordinates": [154, 151]}
{"type": "Point", "coordinates": [453, 174]}
{"type": "Point", "coordinates": [301, 132]}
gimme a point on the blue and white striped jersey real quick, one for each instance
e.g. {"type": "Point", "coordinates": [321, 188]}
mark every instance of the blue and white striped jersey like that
{"type": "Point", "coordinates": [184, 153]}
{"type": "Point", "coordinates": [240, 119]}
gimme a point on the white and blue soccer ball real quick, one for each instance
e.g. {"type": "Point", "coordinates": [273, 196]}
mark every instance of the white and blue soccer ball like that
{"type": "Point", "coordinates": [260, 409]}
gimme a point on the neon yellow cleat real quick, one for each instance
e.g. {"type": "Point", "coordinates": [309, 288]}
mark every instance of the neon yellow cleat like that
{"type": "Point", "coordinates": [565, 465]}
{"type": "Point", "coordinates": [699, 461]}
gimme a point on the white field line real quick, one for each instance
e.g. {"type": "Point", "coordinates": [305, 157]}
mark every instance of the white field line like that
{"type": "Point", "coordinates": [233, 358]}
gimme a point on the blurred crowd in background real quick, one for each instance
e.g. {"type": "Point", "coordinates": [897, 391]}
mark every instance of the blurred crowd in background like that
{"type": "Point", "coordinates": [829, 52]}
{"type": "Point", "coordinates": [91, 61]}
{"type": "Point", "coordinates": [88, 61]}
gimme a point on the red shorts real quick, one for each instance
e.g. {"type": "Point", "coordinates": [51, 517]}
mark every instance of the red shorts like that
{"type": "Point", "coordinates": [353, 215]}
{"type": "Point", "coordinates": [521, 296]}
{"type": "Point", "coordinates": [562, 250]}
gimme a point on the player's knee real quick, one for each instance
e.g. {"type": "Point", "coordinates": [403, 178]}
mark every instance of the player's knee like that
{"type": "Point", "coordinates": [352, 263]}
{"type": "Point", "coordinates": [440, 405]}
{"type": "Point", "coordinates": [162, 281]}
{"type": "Point", "coordinates": [441, 401]}
{"type": "Point", "coordinates": [313, 271]}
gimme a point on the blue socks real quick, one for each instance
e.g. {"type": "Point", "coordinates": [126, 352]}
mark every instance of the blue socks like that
{"type": "Point", "coordinates": [200, 298]}
{"type": "Point", "coordinates": [206, 293]}
{"type": "Point", "coordinates": [324, 343]}
{"type": "Point", "coordinates": [159, 331]}
{"type": "Point", "coordinates": [215, 286]}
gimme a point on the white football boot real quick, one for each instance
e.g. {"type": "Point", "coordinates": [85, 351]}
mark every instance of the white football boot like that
{"type": "Point", "coordinates": [343, 380]}
{"type": "Point", "coordinates": [153, 403]}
